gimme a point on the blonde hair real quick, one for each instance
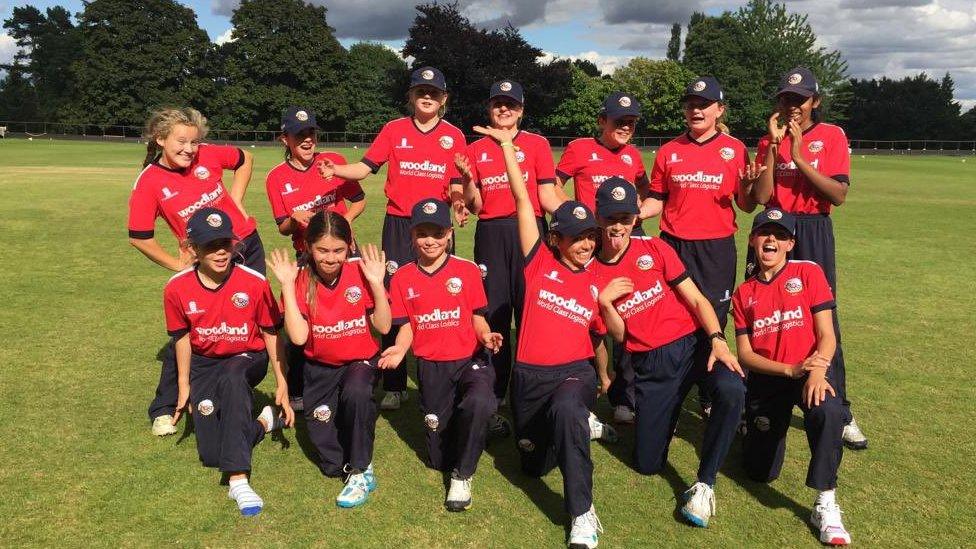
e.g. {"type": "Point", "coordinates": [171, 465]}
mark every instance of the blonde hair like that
{"type": "Point", "coordinates": [162, 122]}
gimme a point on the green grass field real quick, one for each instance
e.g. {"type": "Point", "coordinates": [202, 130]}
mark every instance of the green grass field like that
{"type": "Point", "coordinates": [83, 322]}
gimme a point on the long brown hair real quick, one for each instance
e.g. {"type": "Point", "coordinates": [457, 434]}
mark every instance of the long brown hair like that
{"type": "Point", "coordinates": [163, 121]}
{"type": "Point", "coordinates": [324, 223]}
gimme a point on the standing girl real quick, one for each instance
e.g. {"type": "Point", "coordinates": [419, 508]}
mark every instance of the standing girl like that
{"type": "Point", "coordinates": [553, 381]}
{"type": "Point", "coordinates": [180, 176]}
{"type": "Point", "coordinates": [330, 307]}
{"type": "Point", "coordinates": [440, 303]}
{"type": "Point", "coordinates": [224, 322]}
{"type": "Point", "coordinates": [808, 173]}
{"type": "Point", "coordinates": [420, 150]}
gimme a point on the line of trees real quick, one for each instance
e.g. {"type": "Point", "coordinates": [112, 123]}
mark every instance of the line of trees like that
{"type": "Point", "coordinates": [118, 59]}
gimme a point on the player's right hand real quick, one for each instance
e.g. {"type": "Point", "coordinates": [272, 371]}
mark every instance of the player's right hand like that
{"type": "Point", "coordinates": [326, 168]}
{"type": "Point", "coordinates": [776, 132]}
{"type": "Point", "coordinates": [182, 399]}
{"type": "Point", "coordinates": [616, 289]}
{"type": "Point", "coordinates": [390, 358]}
{"type": "Point", "coordinates": [283, 267]}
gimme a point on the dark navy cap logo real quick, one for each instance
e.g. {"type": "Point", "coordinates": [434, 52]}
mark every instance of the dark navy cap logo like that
{"type": "Point", "coordinates": [207, 225]}
{"type": "Point", "coordinates": [799, 80]}
{"type": "Point", "coordinates": [616, 195]}
{"type": "Point", "coordinates": [428, 76]}
{"type": "Point", "coordinates": [706, 87]}
{"type": "Point", "coordinates": [619, 104]}
{"type": "Point", "coordinates": [432, 211]}
{"type": "Point", "coordinates": [507, 88]}
{"type": "Point", "coordinates": [775, 216]}
{"type": "Point", "coordinates": [296, 119]}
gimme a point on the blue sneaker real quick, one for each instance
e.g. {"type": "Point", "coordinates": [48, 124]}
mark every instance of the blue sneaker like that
{"type": "Point", "coordinates": [355, 493]}
{"type": "Point", "coordinates": [370, 478]}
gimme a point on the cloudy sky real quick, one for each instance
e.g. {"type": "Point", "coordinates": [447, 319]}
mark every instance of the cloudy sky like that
{"type": "Point", "coordinates": [894, 38]}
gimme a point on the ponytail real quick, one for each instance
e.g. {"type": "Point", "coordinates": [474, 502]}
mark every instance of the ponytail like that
{"type": "Point", "coordinates": [162, 122]}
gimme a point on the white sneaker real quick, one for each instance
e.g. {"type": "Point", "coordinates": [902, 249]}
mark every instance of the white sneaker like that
{"type": "Point", "coordinates": [297, 404]}
{"type": "Point", "coordinates": [853, 437]}
{"type": "Point", "coordinates": [826, 518]}
{"type": "Point", "coordinates": [585, 531]}
{"type": "Point", "coordinates": [163, 425]}
{"type": "Point", "coordinates": [392, 400]}
{"type": "Point", "coordinates": [601, 431]}
{"type": "Point", "coordinates": [272, 421]}
{"type": "Point", "coordinates": [623, 414]}
{"type": "Point", "coordinates": [699, 504]}
{"type": "Point", "coordinates": [355, 493]}
{"type": "Point", "coordinates": [459, 495]}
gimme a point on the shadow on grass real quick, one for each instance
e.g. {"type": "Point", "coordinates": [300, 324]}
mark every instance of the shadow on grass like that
{"type": "Point", "coordinates": [506, 460]}
{"type": "Point", "coordinates": [407, 422]}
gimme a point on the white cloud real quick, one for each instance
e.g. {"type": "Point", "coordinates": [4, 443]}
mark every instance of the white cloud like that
{"type": "Point", "coordinates": [606, 63]}
{"type": "Point", "coordinates": [8, 48]}
{"type": "Point", "coordinates": [225, 37]}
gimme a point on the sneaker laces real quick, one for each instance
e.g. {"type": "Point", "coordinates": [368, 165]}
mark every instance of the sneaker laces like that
{"type": "Point", "coordinates": [702, 495]}
{"type": "Point", "coordinates": [830, 516]}
{"type": "Point", "coordinates": [589, 520]}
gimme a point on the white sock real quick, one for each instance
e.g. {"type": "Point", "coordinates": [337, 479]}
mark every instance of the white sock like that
{"type": "Point", "coordinates": [248, 501]}
{"type": "Point", "coordinates": [825, 497]}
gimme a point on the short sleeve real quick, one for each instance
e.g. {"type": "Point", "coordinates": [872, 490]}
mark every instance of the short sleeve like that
{"type": "Point", "coordinates": [229, 158]}
{"type": "Point", "coordinates": [143, 210]}
{"type": "Point", "coordinates": [301, 294]}
{"type": "Point", "coordinates": [545, 167]}
{"type": "Point", "coordinates": [534, 260]}
{"type": "Point", "coordinates": [278, 209]}
{"type": "Point", "coordinates": [176, 322]}
{"type": "Point", "coordinates": [597, 325]}
{"type": "Point", "coordinates": [566, 169]}
{"type": "Point", "coordinates": [640, 172]}
{"type": "Point", "coordinates": [379, 151]}
{"type": "Point", "coordinates": [658, 186]}
{"type": "Point", "coordinates": [673, 268]}
{"type": "Point", "coordinates": [477, 300]}
{"type": "Point", "coordinates": [267, 315]}
{"type": "Point", "coordinates": [352, 191]}
{"type": "Point", "coordinates": [398, 305]}
{"type": "Point", "coordinates": [460, 145]}
{"type": "Point", "coordinates": [818, 290]}
{"type": "Point", "coordinates": [739, 313]}
{"type": "Point", "coordinates": [837, 163]}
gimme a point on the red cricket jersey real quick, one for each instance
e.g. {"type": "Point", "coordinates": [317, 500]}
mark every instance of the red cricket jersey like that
{"type": "Point", "coordinates": [291, 189]}
{"type": "Point", "coordinates": [698, 183]}
{"type": "Point", "coordinates": [439, 307]}
{"type": "Point", "coordinates": [421, 163]}
{"type": "Point", "coordinates": [176, 194]}
{"type": "Point", "coordinates": [559, 313]}
{"type": "Point", "coordinates": [778, 315]}
{"type": "Point", "coordinates": [490, 175]}
{"type": "Point", "coordinates": [825, 147]}
{"type": "Point", "coordinates": [224, 321]}
{"type": "Point", "coordinates": [589, 163]}
{"type": "Point", "coordinates": [339, 326]}
{"type": "Point", "coordinates": [654, 314]}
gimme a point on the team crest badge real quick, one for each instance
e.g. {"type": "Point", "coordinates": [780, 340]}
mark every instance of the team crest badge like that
{"type": "Point", "coordinates": [432, 421]}
{"type": "Point", "coordinates": [762, 423]}
{"type": "Point", "coordinates": [795, 78]}
{"type": "Point", "coordinates": [775, 215]}
{"type": "Point", "coordinates": [526, 445]}
{"type": "Point", "coordinates": [446, 141]}
{"type": "Point", "coordinates": [506, 86]}
{"type": "Point", "coordinates": [645, 262]}
{"type": "Point", "coordinates": [618, 193]}
{"type": "Point", "coordinates": [484, 270]}
{"type": "Point", "coordinates": [794, 285]}
{"type": "Point", "coordinates": [624, 101]}
{"type": "Point", "coordinates": [519, 156]}
{"type": "Point", "coordinates": [205, 407]}
{"type": "Point", "coordinates": [301, 116]}
{"type": "Point", "coordinates": [626, 159]}
{"type": "Point", "coordinates": [391, 267]}
{"type": "Point", "coordinates": [699, 86]}
{"type": "Point", "coordinates": [353, 294]}
{"type": "Point", "coordinates": [579, 212]}
{"type": "Point", "coordinates": [201, 172]}
{"type": "Point", "coordinates": [815, 146]}
{"type": "Point", "coordinates": [322, 413]}
{"type": "Point", "coordinates": [240, 300]}
{"type": "Point", "coordinates": [727, 153]}
{"type": "Point", "coordinates": [427, 74]}
{"type": "Point", "coordinates": [430, 208]}
{"type": "Point", "coordinates": [454, 285]}
{"type": "Point", "coordinates": [214, 220]}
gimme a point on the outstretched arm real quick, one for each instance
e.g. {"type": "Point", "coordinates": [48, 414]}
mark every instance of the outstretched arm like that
{"type": "Point", "coordinates": [528, 230]}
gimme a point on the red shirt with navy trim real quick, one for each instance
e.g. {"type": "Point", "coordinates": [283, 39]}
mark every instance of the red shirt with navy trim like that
{"type": "Point", "coordinates": [176, 194]}
{"type": "Point", "coordinates": [654, 314]}
{"type": "Point", "coordinates": [589, 163]}
{"type": "Point", "coordinates": [825, 147]}
{"type": "Point", "coordinates": [439, 307]}
{"type": "Point", "coordinates": [560, 311]}
{"type": "Point", "coordinates": [421, 163]}
{"type": "Point", "coordinates": [338, 324]}
{"type": "Point", "coordinates": [487, 162]}
{"type": "Point", "coordinates": [223, 321]}
{"type": "Point", "coordinates": [291, 189]}
{"type": "Point", "coordinates": [778, 314]}
{"type": "Point", "coordinates": [698, 183]}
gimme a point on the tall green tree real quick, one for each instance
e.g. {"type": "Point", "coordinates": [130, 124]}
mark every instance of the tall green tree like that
{"type": "Point", "coordinates": [281, 53]}
{"type": "Point", "coordinates": [577, 113]}
{"type": "Point", "coordinates": [374, 87]}
{"type": "Point", "coordinates": [659, 85]}
{"type": "Point", "coordinates": [18, 99]}
{"type": "Point", "coordinates": [138, 55]}
{"type": "Point", "coordinates": [915, 107]}
{"type": "Point", "coordinates": [674, 44]}
{"type": "Point", "coordinates": [48, 44]}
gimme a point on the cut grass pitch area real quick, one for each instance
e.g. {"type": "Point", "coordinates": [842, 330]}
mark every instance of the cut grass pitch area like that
{"type": "Point", "coordinates": [83, 323]}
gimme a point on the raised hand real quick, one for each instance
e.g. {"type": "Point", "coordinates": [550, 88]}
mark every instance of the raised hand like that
{"type": "Point", "coordinates": [752, 172]}
{"type": "Point", "coordinates": [776, 132]}
{"type": "Point", "coordinates": [796, 139]}
{"type": "Point", "coordinates": [284, 268]}
{"type": "Point", "coordinates": [326, 168]}
{"type": "Point", "coordinates": [498, 134]}
{"type": "Point", "coordinates": [463, 166]}
{"type": "Point", "coordinates": [373, 263]}
{"type": "Point", "coordinates": [616, 289]}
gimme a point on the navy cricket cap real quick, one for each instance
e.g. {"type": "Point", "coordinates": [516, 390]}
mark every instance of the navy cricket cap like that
{"type": "Point", "coordinates": [572, 218]}
{"type": "Point", "coordinates": [706, 87]}
{"type": "Point", "coordinates": [799, 80]}
{"type": "Point", "coordinates": [775, 216]}
{"type": "Point", "coordinates": [619, 104]}
{"type": "Point", "coordinates": [295, 119]}
{"type": "Point", "coordinates": [207, 225]}
{"type": "Point", "coordinates": [616, 195]}
{"type": "Point", "coordinates": [428, 76]}
{"type": "Point", "coordinates": [507, 88]}
{"type": "Point", "coordinates": [431, 210]}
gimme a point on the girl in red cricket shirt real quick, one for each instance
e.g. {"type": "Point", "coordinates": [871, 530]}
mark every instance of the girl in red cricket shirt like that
{"type": "Point", "coordinates": [181, 175]}
{"type": "Point", "coordinates": [296, 192]}
{"type": "Point", "coordinates": [554, 384]}
{"type": "Point", "coordinates": [784, 332]}
{"type": "Point", "coordinates": [496, 246]}
{"type": "Point", "coordinates": [420, 150]}
{"type": "Point", "coordinates": [440, 304]}
{"type": "Point", "coordinates": [330, 306]}
{"type": "Point", "coordinates": [808, 172]}
{"type": "Point", "coordinates": [589, 162]}
{"type": "Point", "coordinates": [224, 322]}
{"type": "Point", "coordinates": [651, 304]}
